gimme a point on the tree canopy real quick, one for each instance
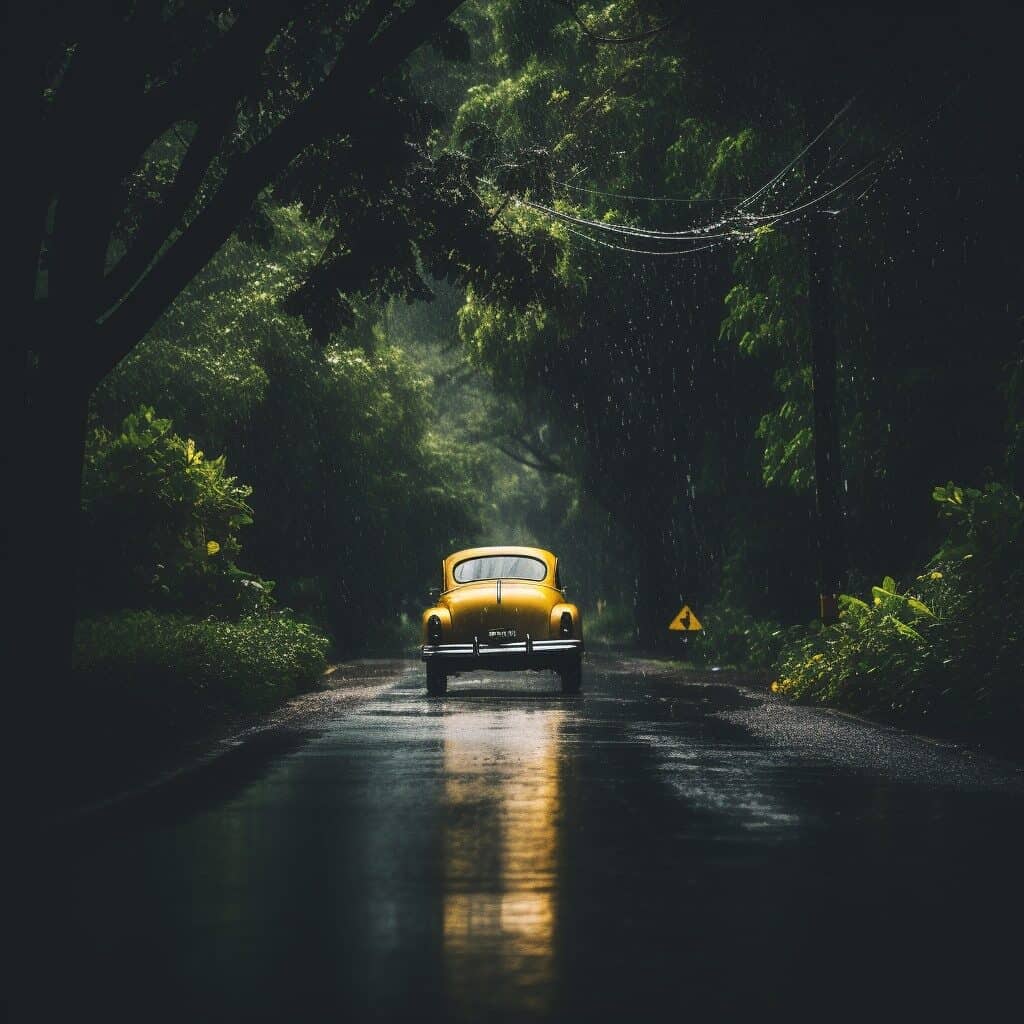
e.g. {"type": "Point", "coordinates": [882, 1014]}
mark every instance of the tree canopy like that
{"type": "Point", "coordinates": [534, 269]}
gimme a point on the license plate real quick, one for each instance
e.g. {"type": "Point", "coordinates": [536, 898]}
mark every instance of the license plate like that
{"type": "Point", "coordinates": [501, 634]}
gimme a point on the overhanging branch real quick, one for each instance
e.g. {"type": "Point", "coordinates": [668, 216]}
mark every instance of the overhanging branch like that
{"type": "Point", "coordinates": [355, 72]}
{"type": "Point", "coordinates": [157, 228]}
{"type": "Point", "coordinates": [635, 37]}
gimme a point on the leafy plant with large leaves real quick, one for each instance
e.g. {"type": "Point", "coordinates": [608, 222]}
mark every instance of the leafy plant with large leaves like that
{"type": "Point", "coordinates": [949, 645]}
{"type": "Point", "coordinates": [162, 523]}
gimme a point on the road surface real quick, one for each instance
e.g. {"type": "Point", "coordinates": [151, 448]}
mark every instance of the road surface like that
{"type": "Point", "coordinates": [671, 845]}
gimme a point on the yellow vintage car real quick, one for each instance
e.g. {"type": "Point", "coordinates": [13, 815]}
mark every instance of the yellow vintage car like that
{"type": "Point", "coordinates": [501, 608]}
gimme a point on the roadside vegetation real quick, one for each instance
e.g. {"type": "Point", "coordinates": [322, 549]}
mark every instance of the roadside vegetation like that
{"type": "Point", "coordinates": [676, 393]}
{"type": "Point", "coordinates": [947, 646]}
{"type": "Point", "coordinates": [609, 625]}
{"type": "Point", "coordinates": [419, 337]}
{"type": "Point", "coordinates": [169, 672]}
{"type": "Point", "coordinates": [734, 637]}
{"type": "Point", "coordinates": [174, 634]}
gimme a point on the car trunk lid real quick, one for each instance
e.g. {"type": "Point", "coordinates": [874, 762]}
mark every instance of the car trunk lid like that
{"type": "Point", "coordinates": [500, 611]}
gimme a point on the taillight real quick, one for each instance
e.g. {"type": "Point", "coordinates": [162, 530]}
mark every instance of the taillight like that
{"type": "Point", "coordinates": [434, 629]}
{"type": "Point", "coordinates": [566, 628]}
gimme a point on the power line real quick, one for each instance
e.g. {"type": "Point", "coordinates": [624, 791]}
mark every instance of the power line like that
{"type": "Point", "coordinates": [647, 199]}
{"type": "Point", "coordinates": [700, 233]}
{"type": "Point", "coordinates": [743, 200]}
{"type": "Point", "coordinates": [739, 223]}
{"type": "Point", "coordinates": [643, 252]}
{"type": "Point", "coordinates": [697, 234]}
{"type": "Point", "coordinates": [632, 38]}
{"type": "Point", "coordinates": [803, 152]}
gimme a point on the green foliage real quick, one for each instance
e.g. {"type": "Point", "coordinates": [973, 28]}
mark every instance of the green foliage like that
{"type": "Point", "coordinates": [950, 645]}
{"type": "Point", "coordinates": [983, 525]}
{"type": "Point", "coordinates": [682, 386]}
{"type": "Point", "coordinates": [166, 672]}
{"type": "Point", "coordinates": [764, 318]}
{"type": "Point", "coordinates": [648, 418]}
{"type": "Point", "coordinates": [734, 637]}
{"type": "Point", "coordinates": [618, 352]}
{"type": "Point", "coordinates": [354, 490]}
{"type": "Point", "coordinates": [608, 624]}
{"type": "Point", "coordinates": [207, 362]}
{"type": "Point", "coordinates": [162, 523]}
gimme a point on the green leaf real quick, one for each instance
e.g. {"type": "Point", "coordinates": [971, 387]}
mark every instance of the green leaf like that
{"type": "Point", "coordinates": [902, 627]}
{"type": "Point", "coordinates": [920, 607]}
{"type": "Point", "coordinates": [854, 604]}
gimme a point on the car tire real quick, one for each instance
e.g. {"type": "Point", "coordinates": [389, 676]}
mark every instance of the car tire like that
{"type": "Point", "coordinates": [437, 681]}
{"type": "Point", "coordinates": [572, 675]}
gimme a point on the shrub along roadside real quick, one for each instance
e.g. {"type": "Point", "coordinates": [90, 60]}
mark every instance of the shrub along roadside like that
{"type": "Point", "coordinates": [949, 647]}
{"type": "Point", "coordinates": [162, 674]}
{"type": "Point", "coordinates": [175, 634]}
{"type": "Point", "coordinates": [732, 637]}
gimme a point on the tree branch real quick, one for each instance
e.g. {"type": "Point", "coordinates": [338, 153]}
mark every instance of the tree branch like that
{"type": "Point", "coordinates": [634, 38]}
{"type": "Point", "coordinates": [258, 167]}
{"type": "Point", "coordinates": [541, 463]}
{"type": "Point", "coordinates": [220, 76]}
{"type": "Point", "coordinates": [156, 230]}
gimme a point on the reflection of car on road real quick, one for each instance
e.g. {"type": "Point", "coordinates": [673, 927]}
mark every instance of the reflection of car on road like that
{"type": "Point", "coordinates": [501, 608]}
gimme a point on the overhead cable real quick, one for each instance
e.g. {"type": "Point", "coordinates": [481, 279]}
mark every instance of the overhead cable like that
{"type": "Point", "coordinates": [803, 152]}
{"type": "Point", "coordinates": [646, 199]}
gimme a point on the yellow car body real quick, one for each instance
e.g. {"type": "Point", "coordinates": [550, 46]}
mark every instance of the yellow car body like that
{"type": "Point", "coordinates": [501, 608]}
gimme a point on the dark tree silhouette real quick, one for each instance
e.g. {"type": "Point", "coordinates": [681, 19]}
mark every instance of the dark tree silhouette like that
{"type": "Point", "coordinates": [97, 255]}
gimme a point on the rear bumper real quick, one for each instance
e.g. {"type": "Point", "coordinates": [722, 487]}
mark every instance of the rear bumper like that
{"type": "Point", "coordinates": [523, 654]}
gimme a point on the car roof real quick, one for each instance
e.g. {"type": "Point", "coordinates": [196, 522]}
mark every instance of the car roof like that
{"type": "Point", "coordinates": [505, 549]}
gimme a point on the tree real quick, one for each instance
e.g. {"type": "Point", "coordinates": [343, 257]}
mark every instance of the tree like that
{"type": "Point", "coordinates": [351, 479]}
{"type": "Point", "coordinates": [686, 383]}
{"type": "Point", "coordinates": [104, 237]}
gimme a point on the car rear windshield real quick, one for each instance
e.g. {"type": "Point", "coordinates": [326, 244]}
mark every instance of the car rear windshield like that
{"type": "Point", "coordinates": [492, 567]}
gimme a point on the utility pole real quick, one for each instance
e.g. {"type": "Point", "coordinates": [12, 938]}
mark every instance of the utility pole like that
{"type": "Point", "coordinates": [821, 324]}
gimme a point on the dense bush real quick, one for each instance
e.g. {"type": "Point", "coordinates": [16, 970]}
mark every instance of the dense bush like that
{"type": "Point", "coordinates": [161, 523]}
{"type": "Point", "coordinates": [199, 637]}
{"type": "Point", "coordinates": [950, 645]}
{"type": "Point", "coordinates": [168, 671]}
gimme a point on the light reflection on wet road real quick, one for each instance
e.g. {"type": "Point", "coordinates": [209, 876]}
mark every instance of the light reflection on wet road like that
{"type": "Point", "coordinates": [665, 845]}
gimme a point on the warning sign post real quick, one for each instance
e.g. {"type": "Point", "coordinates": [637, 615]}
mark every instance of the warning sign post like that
{"type": "Point", "coordinates": [686, 621]}
{"type": "Point", "coordinates": [684, 625]}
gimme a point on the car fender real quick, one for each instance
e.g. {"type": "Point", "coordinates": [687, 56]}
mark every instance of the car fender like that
{"type": "Point", "coordinates": [446, 621]}
{"type": "Point", "coordinates": [556, 619]}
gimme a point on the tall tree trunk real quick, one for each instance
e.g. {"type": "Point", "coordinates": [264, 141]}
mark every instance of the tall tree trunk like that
{"type": "Point", "coordinates": [43, 522]}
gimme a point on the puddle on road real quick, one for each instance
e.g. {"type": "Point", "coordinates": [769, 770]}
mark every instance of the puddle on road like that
{"type": "Point", "coordinates": [502, 803]}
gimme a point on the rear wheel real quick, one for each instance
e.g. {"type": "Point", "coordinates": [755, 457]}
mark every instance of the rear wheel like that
{"type": "Point", "coordinates": [437, 680]}
{"type": "Point", "coordinates": [572, 675]}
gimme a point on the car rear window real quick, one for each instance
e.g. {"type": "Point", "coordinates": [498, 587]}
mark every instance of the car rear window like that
{"type": "Point", "coordinates": [508, 567]}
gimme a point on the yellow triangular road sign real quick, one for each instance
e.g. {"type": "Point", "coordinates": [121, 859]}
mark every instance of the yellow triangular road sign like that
{"type": "Point", "coordinates": [685, 620]}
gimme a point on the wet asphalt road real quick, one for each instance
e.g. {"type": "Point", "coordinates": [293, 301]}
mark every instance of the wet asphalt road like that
{"type": "Point", "coordinates": [669, 845]}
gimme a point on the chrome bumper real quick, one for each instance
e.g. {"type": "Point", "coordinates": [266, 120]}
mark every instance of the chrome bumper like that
{"type": "Point", "coordinates": [522, 649]}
